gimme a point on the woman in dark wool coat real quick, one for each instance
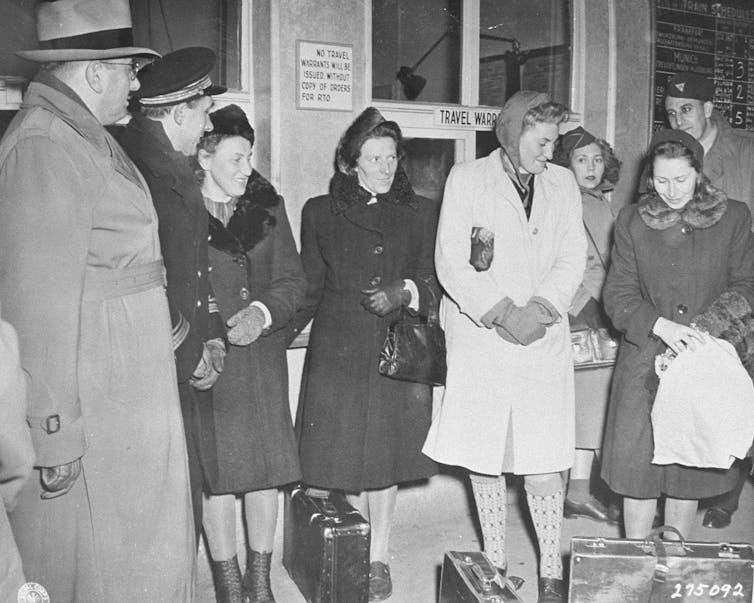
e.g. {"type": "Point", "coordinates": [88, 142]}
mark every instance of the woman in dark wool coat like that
{"type": "Point", "coordinates": [367, 248]}
{"type": "Point", "coordinates": [246, 438]}
{"type": "Point", "coordinates": [683, 258]}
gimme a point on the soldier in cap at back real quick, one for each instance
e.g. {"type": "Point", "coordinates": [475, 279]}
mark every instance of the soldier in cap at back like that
{"type": "Point", "coordinates": [107, 515]}
{"type": "Point", "coordinates": [171, 116]}
{"type": "Point", "coordinates": [729, 164]}
{"type": "Point", "coordinates": [728, 153]}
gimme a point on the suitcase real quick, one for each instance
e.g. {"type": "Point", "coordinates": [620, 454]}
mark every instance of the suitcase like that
{"type": "Point", "coordinates": [468, 577]}
{"type": "Point", "coordinates": [326, 547]}
{"type": "Point", "coordinates": [606, 570]}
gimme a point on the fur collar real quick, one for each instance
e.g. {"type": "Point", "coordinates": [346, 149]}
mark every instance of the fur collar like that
{"type": "Point", "coordinates": [345, 191]}
{"type": "Point", "coordinates": [251, 221]}
{"type": "Point", "coordinates": [704, 210]}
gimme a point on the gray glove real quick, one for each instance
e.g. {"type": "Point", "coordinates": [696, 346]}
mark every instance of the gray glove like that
{"type": "Point", "coordinates": [246, 325]}
{"type": "Point", "coordinates": [58, 480]}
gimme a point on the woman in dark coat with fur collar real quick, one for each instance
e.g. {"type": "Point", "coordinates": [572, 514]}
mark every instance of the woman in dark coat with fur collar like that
{"type": "Point", "coordinates": [247, 443]}
{"type": "Point", "coordinates": [683, 255]}
{"type": "Point", "coordinates": [367, 248]}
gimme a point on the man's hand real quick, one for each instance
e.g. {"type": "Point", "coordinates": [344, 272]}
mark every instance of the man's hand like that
{"type": "Point", "coordinates": [210, 365]}
{"type": "Point", "coordinates": [58, 480]}
{"type": "Point", "coordinates": [246, 325]}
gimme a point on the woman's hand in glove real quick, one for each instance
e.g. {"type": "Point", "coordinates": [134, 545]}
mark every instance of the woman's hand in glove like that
{"type": "Point", "coordinates": [676, 336]}
{"type": "Point", "coordinates": [246, 325]}
{"type": "Point", "coordinates": [211, 364]}
{"type": "Point", "coordinates": [383, 300]}
{"type": "Point", "coordinates": [58, 480]}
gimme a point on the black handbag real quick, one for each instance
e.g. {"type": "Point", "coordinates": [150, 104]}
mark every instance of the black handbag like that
{"type": "Point", "coordinates": [414, 349]}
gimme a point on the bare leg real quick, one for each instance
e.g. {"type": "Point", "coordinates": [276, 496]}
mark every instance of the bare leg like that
{"type": "Point", "coordinates": [219, 523]}
{"type": "Point", "coordinates": [261, 511]}
{"type": "Point", "coordinates": [638, 514]}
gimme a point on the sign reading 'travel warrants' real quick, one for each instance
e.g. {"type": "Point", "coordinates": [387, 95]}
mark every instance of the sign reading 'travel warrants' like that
{"type": "Point", "coordinates": [468, 118]}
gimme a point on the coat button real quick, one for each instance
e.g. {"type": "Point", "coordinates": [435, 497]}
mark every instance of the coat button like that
{"type": "Point", "coordinates": [686, 229]}
{"type": "Point", "coordinates": [199, 274]}
{"type": "Point", "coordinates": [209, 268]}
{"type": "Point", "coordinates": [682, 308]}
{"type": "Point", "coordinates": [378, 250]}
{"type": "Point", "coordinates": [535, 231]}
{"type": "Point", "coordinates": [209, 237]}
{"type": "Point", "coordinates": [376, 280]}
{"type": "Point", "coordinates": [244, 293]}
{"type": "Point", "coordinates": [198, 303]}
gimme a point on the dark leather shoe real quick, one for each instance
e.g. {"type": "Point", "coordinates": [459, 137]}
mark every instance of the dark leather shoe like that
{"type": "Point", "coordinates": [380, 584]}
{"type": "Point", "coordinates": [551, 590]}
{"type": "Point", "coordinates": [717, 518]}
{"type": "Point", "coordinates": [591, 509]}
{"type": "Point", "coordinates": [615, 512]}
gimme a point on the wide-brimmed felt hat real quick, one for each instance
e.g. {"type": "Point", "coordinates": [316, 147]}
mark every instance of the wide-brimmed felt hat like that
{"type": "Point", "coordinates": [178, 77]}
{"type": "Point", "coordinates": [84, 30]}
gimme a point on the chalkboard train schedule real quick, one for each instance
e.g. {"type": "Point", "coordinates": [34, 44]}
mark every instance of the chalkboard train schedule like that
{"type": "Point", "coordinates": [715, 39]}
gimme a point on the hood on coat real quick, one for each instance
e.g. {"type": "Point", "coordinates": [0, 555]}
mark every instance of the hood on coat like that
{"type": "Point", "coordinates": [510, 120]}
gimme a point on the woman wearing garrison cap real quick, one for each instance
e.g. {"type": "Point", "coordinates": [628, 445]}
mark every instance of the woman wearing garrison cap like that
{"type": "Point", "coordinates": [367, 250]}
{"type": "Point", "coordinates": [682, 263]}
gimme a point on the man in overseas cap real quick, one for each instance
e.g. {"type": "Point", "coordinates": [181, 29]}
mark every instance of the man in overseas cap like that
{"type": "Point", "coordinates": [729, 164]}
{"type": "Point", "coordinates": [174, 103]}
{"type": "Point", "coordinates": [82, 280]}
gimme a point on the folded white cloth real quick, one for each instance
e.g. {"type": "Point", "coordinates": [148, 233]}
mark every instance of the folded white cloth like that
{"type": "Point", "coordinates": [703, 415]}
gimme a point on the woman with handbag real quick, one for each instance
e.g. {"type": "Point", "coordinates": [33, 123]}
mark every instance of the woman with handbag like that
{"type": "Point", "coordinates": [683, 255]}
{"type": "Point", "coordinates": [246, 438]}
{"type": "Point", "coordinates": [596, 169]}
{"type": "Point", "coordinates": [367, 250]}
{"type": "Point", "coordinates": [510, 255]}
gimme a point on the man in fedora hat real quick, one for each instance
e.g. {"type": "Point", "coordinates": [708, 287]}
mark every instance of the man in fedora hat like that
{"type": "Point", "coordinates": [173, 114]}
{"type": "Point", "coordinates": [108, 517]}
{"type": "Point", "coordinates": [729, 164]}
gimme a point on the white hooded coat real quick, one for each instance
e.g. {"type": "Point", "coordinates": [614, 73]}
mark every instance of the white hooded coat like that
{"type": "Point", "coordinates": [507, 407]}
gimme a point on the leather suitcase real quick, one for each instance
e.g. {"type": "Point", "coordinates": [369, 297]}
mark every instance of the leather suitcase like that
{"type": "Point", "coordinates": [326, 547]}
{"type": "Point", "coordinates": [615, 570]}
{"type": "Point", "coordinates": [469, 577]}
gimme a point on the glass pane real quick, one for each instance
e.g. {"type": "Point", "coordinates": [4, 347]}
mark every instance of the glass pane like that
{"type": "Point", "coordinates": [486, 142]}
{"type": "Point", "coordinates": [523, 45]}
{"type": "Point", "coordinates": [416, 50]}
{"type": "Point", "coordinates": [427, 164]}
{"type": "Point", "coordinates": [166, 25]}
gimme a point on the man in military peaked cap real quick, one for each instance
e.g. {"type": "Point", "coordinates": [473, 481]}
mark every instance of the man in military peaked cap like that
{"type": "Point", "coordinates": [729, 164]}
{"type": "Point", "coordinates": [107, 516]}
{"type": "Point", "coordinates": [172, 115]}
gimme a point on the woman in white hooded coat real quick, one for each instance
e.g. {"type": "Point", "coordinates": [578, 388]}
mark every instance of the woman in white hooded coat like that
{"type": "Point", "coordinates": [508, 405]}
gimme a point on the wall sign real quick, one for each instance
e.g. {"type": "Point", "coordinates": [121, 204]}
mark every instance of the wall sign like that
{"type": "Point", "coordinates": [466, 118]}
{"type": "Point", "coordinates": [715, 39]}
{"type": "Point", "coordinates": [324, 76]}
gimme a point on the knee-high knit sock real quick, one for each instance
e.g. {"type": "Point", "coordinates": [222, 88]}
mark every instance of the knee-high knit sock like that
{"type": "Point", "coordinates": [547, 517]}
{"type": "Point", "coordinates": [491, 500]}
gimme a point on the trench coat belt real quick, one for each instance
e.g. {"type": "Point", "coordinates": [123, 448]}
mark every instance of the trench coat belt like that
{"type": "Point", "coordinates": [101, 284]}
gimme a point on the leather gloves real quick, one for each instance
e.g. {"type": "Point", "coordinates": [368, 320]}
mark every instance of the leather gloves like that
{"type": "Point", "coordinates": [58, 480]}
{"type": "Point", "coordinates": [246, 325]}
{"type": "Point", "coordinates": [210, 365]}
{"type": "Point", "coordinates": [521, 325]}
{"type": "Point", "coordinates": [383, 300]}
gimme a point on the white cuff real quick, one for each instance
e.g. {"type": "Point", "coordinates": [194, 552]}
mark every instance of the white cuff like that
{"type": "Point", "coordinates": [265, 311]}
{"type": "Point", "coordinates": [410, 286]}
